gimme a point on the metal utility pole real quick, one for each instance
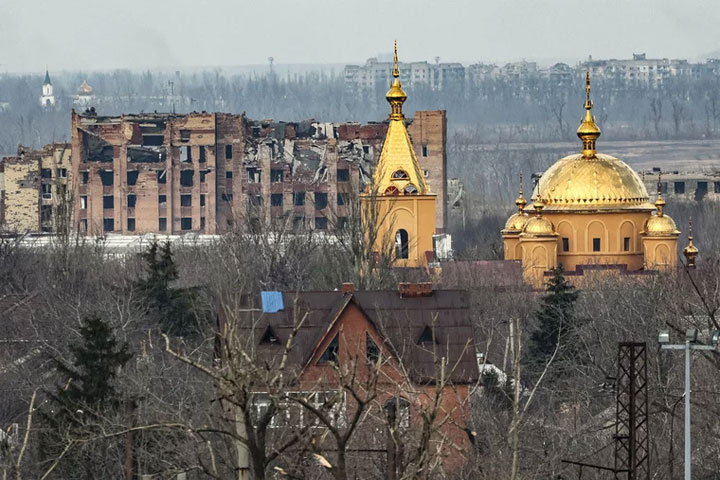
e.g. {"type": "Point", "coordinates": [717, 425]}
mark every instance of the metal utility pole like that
{"type": "Point", "coordinates": [689, 345]}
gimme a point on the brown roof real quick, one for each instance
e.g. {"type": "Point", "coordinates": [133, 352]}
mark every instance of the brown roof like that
{"type": "Point", "coordinates": [401, 320]}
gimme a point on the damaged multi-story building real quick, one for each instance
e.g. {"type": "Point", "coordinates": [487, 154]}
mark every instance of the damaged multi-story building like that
{"type": "Point", "coordinates": [35, 196]}
{"type": "Point", "coordinates": [206, 172]}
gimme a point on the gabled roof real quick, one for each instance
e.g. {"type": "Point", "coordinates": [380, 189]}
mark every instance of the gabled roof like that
{"type": "Point", "coordinates": [400, 320]}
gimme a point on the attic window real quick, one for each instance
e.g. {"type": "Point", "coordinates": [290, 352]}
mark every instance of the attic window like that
{"type": "Point", "coordinates": [426, 336]}
{"type": "Point", "coordinates": [410, 189]}
{"type": "Point", "coordinates": [331, 352]}
{"type": "Point", "coordinates": [372, 351]}
{"type": "Point", "coordinates": [269, 337]}
{"type": "Point", "coordinates": [392, 190]}
{"type": "Point", "coordinates": [400, 175]}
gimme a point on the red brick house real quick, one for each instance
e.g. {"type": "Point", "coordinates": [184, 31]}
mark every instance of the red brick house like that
{"type": "Point", "coordinates": [408, 355]}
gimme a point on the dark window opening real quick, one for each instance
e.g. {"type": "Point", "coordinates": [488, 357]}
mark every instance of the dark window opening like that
{"type": "Point", "coordinates": [131, 225]}
{"type": "Point", "coordinates": [397, 410]}
{"type": "Point", "coordinates": [410, 189]}
{"type": "Point", "coordinates": [276, 199]}
{"type": "Point", "coordinates": [83, 202]}
{"type": "Point", "coordinates": [331, 352]}
{"type": "Point", "coordinates": [566, 244]}
{"type": "Point", "coordinates": [132, 176]}
{"type": "Point", "coordinates": [253, 175]}
{"type": "Point", "coordinates": [202, 223]}
{"type": "Point", "coordinates": [162, 224]}
{"type": "Point", "coordinates": [97, 149]}
{"type": "Point", "coordinates": [83, 224]}
{"type": "Point", "coordinates": [186, 200]}
{"type": "Point", "coordinates": [372, 351]}
{"type": "Point", "coordinates": [86, 177]}
{"type": "Point", "coordinates": [269, 337]}
{"type": "Point", "coordinates": [228, 197]}
{"type": "Point", "coordinates": [298, 199]}
{"type": "Point", "coordinates": [153, 140]}
{"type": "Point", "coordinates": [342, 198]}
{"type": "Point", "coordinates": [161, 176]}
{"type": "Point", "coordinates": [47, 191]}
{"type": "Point", "coordinates": [717, 187]}
{"type": "Point", "coordinates": [131, 199]}
{"type": "Point", "coordinates": [203, 173]}
{"type": "Point", "coordinates": [366, 149]}
{"type": "Point", "coordinates": [427, 336]}
{"type": "Point", "coordinates": [202, 199]}
{"type": "Point", "coordinates": [424, 151]}
{"type": "Point", "coordinates": [321, 223]}
{"type": "Point", "coordinates": [298, 222]}
{"type": "Point", "coordinates": [276, 175]}
{"type": "Point", "coordinates": [343, 175]}
{"type": "Point", "coordinates": [228, 152]}
{"type": "Point", "coordinates": [201, 156]}
{"type": "Point", "coordinates": [46, 173]}
{"type": "Point", "coordinates": [186, 178]}
{"type": "Point", "coordinates": [186, 154]}
{"type": "Point", "coordinates": [46, 218]}
{"type": "Point", "coordinates": [108, 201]}
{"type": "Point", "coordinates": [255, 200]}
{"type": "Point", "coordinates": [321, 200]}
{"type": "Point", "coordinates": [679, 187]}
{"type": "Point", "coordinates": [186, 223]}
{"type": "Point", "coordinates": [63, 173]}
{"type": "Point", "coordinates": [145, 154]}
{"type": "Point", "coordinates": [341, 223]}
{"type": "Point", "coordinates": [184, 135]}
{"type": "Point", "coordinates": [626, 244]}
{"type": "Point", "coordinates": [106, 177]}
{"type": "Point", "coordinates": [162, 200]}
{"type": "Point", "coordinates": [400, 175]}
{"type": "Point", "coordinates": [108, 224]}
{"type": "Point", "coordinates": [596, 244]}
{"type": "Point", "coordinates": [228, 174]}
{"type": "Point", "coordinates": [701, 191]}
{"type": "Point", "coordinates": [402, 244]}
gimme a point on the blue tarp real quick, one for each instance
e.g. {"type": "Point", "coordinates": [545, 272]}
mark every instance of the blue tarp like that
{"type": "Point", "coordinates": [271, 301]}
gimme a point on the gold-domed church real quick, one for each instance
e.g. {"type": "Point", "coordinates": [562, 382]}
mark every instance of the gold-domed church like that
{"type": "Point", "coordinates": [399, 201]}
{"type": "Point", "coordinates": [590, 211]}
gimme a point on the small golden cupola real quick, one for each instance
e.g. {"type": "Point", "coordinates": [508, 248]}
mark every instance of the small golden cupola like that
{"type": "Point", "coordinates": [538, 225]}
{"type": "Point", "coordinates": [517, 220]}
{"type": "Point", "coordinates": [690, 252]}
{"type": "Point", "coordinates": [398, 171]}
{"type": "Point", "coordinates": [588, 130]}
{"type": "Point", "coordinates": [660, 225]}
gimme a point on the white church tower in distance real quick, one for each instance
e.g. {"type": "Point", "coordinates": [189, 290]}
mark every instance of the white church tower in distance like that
{"type": "Point", "coordinates": [47, 99]}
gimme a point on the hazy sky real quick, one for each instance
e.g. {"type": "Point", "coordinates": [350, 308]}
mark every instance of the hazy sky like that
{"type": "Point", "coordinates": [102, 34]}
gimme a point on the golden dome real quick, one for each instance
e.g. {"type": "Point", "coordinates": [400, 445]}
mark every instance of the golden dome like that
{"type": "Point", "coordinates": [516, 222]}
{"type": "Point", "coordinates": [660, 226]}
{"type": "Point", "coordinates": [538, 225]}
{"type": "Point", "coordinates": [691, 251]}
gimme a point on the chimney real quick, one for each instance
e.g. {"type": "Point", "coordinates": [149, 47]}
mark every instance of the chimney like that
{"type": "Point", "coordinates": [347, 288]}
{"type": "Point", "coordinates": [423, 289]}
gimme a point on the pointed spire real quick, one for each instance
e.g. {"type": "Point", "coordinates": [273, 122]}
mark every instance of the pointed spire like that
{"type": "Point", "coordinates": [396, 96]}
{"type": "Point", "coordinates": [520, 201]}
{"type": "Point", "coordinates": [47, 78]}
{"type": "Point", "coordinates": [690, 252]}
{"type": "Point", "coordinates": [659, 201]}
{"type": "Point", "coordinates": [588, 130]}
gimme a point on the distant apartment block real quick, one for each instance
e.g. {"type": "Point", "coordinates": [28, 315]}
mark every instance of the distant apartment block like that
{"type": "Point", "coordinates": [34, 194]}
{"type": "Point", "coordinates": [679, 185]}
{"type": "Point", "coordinates": [207, 172]}
{"type": "Point", "coordinates": [374, 74]}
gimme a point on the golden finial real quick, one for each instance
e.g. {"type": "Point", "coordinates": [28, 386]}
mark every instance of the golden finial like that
{"type": "Point", "coordinates": [520, 201]}
{"type": "Point", "coordinates": [660, 201]}
{"type": "Point", "coordinates": [396, 96]}
{"type": "Point", "coordinates": [691, 251]}
{"type": "Point", "coordinates": [538, 205]}
{"type": "Point", "coordinates": [588, 130]}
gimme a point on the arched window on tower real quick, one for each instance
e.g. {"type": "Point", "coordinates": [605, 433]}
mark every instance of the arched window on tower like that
{"type": "Point", "coordinates": [400, 175]}
{"type": "Point", "coordinates": [411, 189]}
{"type": "Point", "coordinates": [401, 244]}
{"type": "Point", "coordinates": [392, 190]}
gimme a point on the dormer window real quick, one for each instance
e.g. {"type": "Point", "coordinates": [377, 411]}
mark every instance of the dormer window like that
{"type": "Point", "coordinates": [427, 336]}
{"type": "Point", "coordinates": [392, 190]}
{"type": "Point", "coordinates": [400, 175]}
{"type": "Point", "coordinates": [411, 189]}
{"type": "Point", "coordinates": [331, 352]}
{"type": "Point", "coordinates": [269, 337]}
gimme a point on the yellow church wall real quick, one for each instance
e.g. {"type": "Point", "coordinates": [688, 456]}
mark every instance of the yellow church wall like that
{"type": "Point", "coordinates": [538, 256]}
{"type": "Point", "coordinates": [660, 252]}
{"type": "Point", "coordinates": [511, 247]}
{"type": "Point", "coordinates": [610, 227]}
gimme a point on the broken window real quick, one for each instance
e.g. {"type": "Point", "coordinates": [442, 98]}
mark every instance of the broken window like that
{"type": "Point", "coordinates": [46, 218]}
{"type": "Point", "coordinates": [717, 187]}
{"type": "Point", "coordinates": [153, 140]}
{"type": "Point", "coordinates": [321, 200]}
{"type": "Point", "coordinates": [46, 173]}
{"type": "Point", "coordinates": [331, 352]}
{"type": "Point", "coordinates": [202, 199]}
{"type": "Point", "coordinates": [276, 175]}
{"type": "Point", "coordinates": [63, 173]}
{"type": "Point", "coordinates": [83, 224]}
{"type": "Point", "coordinates": [162, 176]}
{"type": "Point", "coordinates": [256, 131]}
{"type": "Point", "coordinates": [131, 225]}
{"type": "Point", "coordinates": [397, 410]}
{"type": "Point", "coordinates": [269, 337]}
{"type": "Point", "coordinates": [372, 351]}
{"type": "Point", "coordinates": [679, 187]}
{"type": "Point", "coordinates": [202, 223]}
{"type": "Point", "coordinates": [108, 224]}
{"type": "Point", "coordinates": [131, 199]}
{"type": "Point", "coordinates": [342, 198]}
{"type": "Point", "coordinates": [298, 199]}
{"type": "Point", "coordinates": [255, 200]}
{"type": "Point", "coordinates": [253, 175]}
{"type": "Point", "coordinates": [701, 191]}
{"type": "Point", "coordinates": [186, 178]}
{"type": "Point", "coordinates": [108, 201]}
{"type": "Point", "coordinates": [201, 156]}
{"type": "Point", "coordinates": [132, 176]}
{"type": "Point", "coordinates": [186, 223]}
{"type": "Point", "coordinates": [162, 200]}
{"type": "Point", "coordinates": [228, 174]}
{"type": "Point", "coordinates": [321, 223]}
{"type": "Point", "coordinates": [202, 175]}
{"type": "Point", "coordinates": [162, 224]}
{"type": "Point", "coordinates": [85, 177]}
{"type": "Point", "coordinates": [366, 149]}
{"type": "Point", "coordinates": [47, 191]}
{"type": "Point", "coordinates": [343, 175]}
{"type": "Point", "coordinates": [106, 177]}
{"type": "Point", "coordinates": [276, 199]}
{"type": "Point", "coordinates": [228, 197]}
{"type": "Point", "coordinates": [186, 154]}
{"type": "Point", "coordinates": [186, 200]}
{"type": "Point", "coordinates": [427, 336]}
{"type": "Point", "coordinates": [97, 149]}
{"type": "Point", "coordinates": [298, 222]}
{"type": "Point", "coordinates": [184, 135]}
{"type": "Point", "coordinates": [145, 154]}
{"type": "Point", "coordinates": [228, 152]}
{"type": "Point", "coordinates": [83, 202]}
